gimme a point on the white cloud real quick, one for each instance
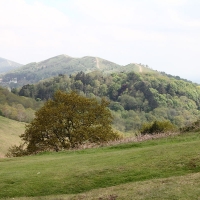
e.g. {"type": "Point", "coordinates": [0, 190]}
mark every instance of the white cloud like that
{"type": "Point", "coordinates": [154, 32]}
{"type": "Point", "coordinates": [107, 11]}
{"type": "Point", "coordinates": [26, 26]}
{"type": "Point", "coordinates": [183, 20]}
{"type": "Point", "coordinates": [171, 2]}
{"type": "Point", "coordinates": [19, 14]}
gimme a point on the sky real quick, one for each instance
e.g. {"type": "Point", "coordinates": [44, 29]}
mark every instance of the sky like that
{"type": "Point", "coordinates": [163, 34]}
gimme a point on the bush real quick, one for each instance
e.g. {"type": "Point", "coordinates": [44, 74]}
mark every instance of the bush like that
{"type": "Point", "coordinates": [195, 126]}
{"type": "Point", "coordinates": [157, 127]}
{"type": "Point", "coordinates": [16, 151]}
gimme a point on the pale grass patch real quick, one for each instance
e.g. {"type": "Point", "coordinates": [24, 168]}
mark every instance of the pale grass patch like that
{"type": "Point", "coordinates": [9, 134]}
{"type": "Point", "coordinates": [125, 140]}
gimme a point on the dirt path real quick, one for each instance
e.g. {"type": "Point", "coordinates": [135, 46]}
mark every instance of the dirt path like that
{"type": "Point", "coordinates": [140, 68]}
{"type": "Point", "coordinates": [97, 61]}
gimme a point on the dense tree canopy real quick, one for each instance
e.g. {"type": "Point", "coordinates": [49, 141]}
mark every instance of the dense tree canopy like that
{"type": "Point", "coordinates": [67, 121]}
{"type": "Point", "coordinates": [135, 98]}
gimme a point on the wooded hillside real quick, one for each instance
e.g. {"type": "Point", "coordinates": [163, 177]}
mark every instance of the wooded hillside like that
{"type": "Point", "coordinates": [135, 97]}
{"type": "Point", "coordinates": [16, 107]}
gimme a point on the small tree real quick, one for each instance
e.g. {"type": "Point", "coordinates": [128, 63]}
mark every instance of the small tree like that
{"type": "Point", "coordinates": [67, 121]}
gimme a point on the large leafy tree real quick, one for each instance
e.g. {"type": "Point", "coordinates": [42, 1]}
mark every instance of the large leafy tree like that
{"type": "Point", "coordinates": [67, 121]}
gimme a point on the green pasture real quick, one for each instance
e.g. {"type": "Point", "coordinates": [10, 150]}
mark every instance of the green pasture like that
{"type": "Point", "coordinates": [157, 167]}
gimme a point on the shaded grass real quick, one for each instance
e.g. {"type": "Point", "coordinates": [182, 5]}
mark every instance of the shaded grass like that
{"type": "Point", "coordinates": [182, 187]}
{"type": "Point", "coordinates": [9, 133]}
{"type": "Point", "coordinates": [75, 172]}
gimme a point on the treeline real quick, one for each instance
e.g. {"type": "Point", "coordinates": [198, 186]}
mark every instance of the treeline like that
{"type": "Point", "coordinates": [18, 108]}
{"type": "Point", "coordinates": [135, 98]}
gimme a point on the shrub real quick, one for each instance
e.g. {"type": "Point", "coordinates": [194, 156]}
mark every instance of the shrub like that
{"type": "Point", "coordinates": [195, 126]}
{"type": "Point", "coordinates": [16, 151]}
{"type": "Point", "coordinates": [157, 127]}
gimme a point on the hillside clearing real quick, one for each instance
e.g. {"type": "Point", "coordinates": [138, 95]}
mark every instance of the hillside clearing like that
{"type": "Point", "coordinates": [9, 134]}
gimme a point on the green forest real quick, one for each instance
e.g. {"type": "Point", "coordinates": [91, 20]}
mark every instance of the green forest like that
{"type": "Point", "coordinates": [135, 98]}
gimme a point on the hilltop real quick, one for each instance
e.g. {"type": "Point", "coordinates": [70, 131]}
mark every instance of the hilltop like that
{"type": "Point", "coordinates": [63, 64]}
{"type": "Point", "coordinates": [7, 65]}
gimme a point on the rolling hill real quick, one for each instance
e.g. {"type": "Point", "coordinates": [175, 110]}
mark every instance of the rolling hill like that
{"type": "Point", "coordinates": [63, 64]}
{"type": "Point", "coordinates": [7, 65]}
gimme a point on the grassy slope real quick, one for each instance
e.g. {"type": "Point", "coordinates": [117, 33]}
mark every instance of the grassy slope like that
{"type": "Point", "coordinates": [144, 166]}
{"type": "Point", "coordinates": [185, 187]}
{"type": "Point", "coordinates": [9, 133]}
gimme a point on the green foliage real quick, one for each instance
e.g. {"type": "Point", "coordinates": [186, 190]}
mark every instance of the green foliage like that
{"type": "Point", "coordinates": [67, 121]}
{"type": "Point", "coordinates": [157, 127]}
{"type": "Point", "coordinates": [16, 107]}
{"type": "Point", "coordinates": [151, 96]}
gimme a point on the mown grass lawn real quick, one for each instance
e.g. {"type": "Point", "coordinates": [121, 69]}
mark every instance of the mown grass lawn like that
{"type": "Point", "coordinates": [80, 172]}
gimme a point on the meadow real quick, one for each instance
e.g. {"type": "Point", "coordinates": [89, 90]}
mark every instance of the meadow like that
{"type": "Point", "coordinates": [165, 168]}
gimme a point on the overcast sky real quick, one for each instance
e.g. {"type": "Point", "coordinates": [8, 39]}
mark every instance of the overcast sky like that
{"type": "Point", "coordinates": [163, 34]}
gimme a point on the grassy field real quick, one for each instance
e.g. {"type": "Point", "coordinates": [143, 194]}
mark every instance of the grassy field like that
{"type": "Point", "coordinates": [185, 187]}
{"type": "Point", "coordinates": [166, 168]}
{"type": "Point", "coordinates": [9, 133]}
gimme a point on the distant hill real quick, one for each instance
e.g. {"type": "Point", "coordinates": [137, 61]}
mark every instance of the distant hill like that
{"type": "Point", "coordinates": [63, 64]}
{"type": "Point", "coordinates": [7, 65]}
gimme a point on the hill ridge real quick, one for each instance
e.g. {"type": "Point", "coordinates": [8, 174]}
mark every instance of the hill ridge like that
{"type": "Point", "coordinates": [65, 64]}
{"type": "Point", "coordinates": [7, 65]}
